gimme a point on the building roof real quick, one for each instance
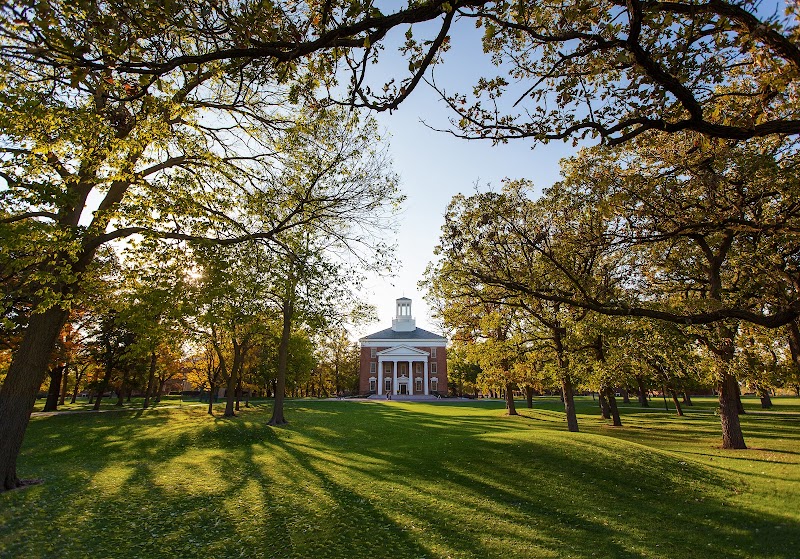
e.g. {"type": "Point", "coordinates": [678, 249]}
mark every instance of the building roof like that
{"type": "Point", "coordinates": [416, 334]}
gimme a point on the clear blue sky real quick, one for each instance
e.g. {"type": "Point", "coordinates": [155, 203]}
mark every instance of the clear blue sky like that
{"type": "Point", "coordinates": [434, 166]}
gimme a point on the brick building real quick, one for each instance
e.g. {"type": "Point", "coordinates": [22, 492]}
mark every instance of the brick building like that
{"type": "Point", "coordinates": [404, 360]}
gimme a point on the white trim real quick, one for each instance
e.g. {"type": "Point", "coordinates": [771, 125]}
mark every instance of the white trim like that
{"type": "Point", "coordinates": [403, 351]}
{"type": "Point", "coordinates": [441, 342]}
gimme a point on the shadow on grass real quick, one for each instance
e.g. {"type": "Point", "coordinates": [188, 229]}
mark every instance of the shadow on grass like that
{"type": "Point", "coordinates": [373, 480]}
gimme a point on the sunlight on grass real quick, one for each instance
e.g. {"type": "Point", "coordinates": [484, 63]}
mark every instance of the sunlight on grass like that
{"type": "Point", "coordinates": [406, 480]}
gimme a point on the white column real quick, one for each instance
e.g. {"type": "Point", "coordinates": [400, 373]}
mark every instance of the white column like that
{"type": "Point", "coordinates": [425, 382]}
{"type": "Point", "coordinates": [394, 378]}
{"type": "Point", "coordinates": [411, 378]}
{"type": "Point", "coordinates": [380, 376]}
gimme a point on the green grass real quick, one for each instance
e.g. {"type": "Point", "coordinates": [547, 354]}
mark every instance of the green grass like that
{"type": "Point", "coordinates": [400, 480]}
{"type": "Point", "coordinates": [82, 403]}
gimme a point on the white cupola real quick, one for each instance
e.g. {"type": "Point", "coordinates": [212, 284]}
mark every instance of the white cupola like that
{"type": "Point", "coordinates": [403, 322]}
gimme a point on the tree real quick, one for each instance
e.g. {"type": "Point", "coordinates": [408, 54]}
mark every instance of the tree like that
{"type": "Point", "coordinates": [615, 69]}
{"type": "Point", "coordinates": [462, 372]}
{"type": "Point", "coordinates": [169, 119]}
{"type": "Point", "coordinates": [338, 363]}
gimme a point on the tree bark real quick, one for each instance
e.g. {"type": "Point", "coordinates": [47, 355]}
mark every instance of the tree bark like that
{"type": "Point", "coordinates": [151, 375]}
{"type": "Point", "coordinates": [601, 398]}
{"type": "Point", "coordinates": [283, 362]}
{"type": "Point", "coordinates": [675, 401]}
{"type": "Point", "coordinates": [122, 386]}
{"type": "Point", "coordinates": [763, 394]}
{"type": "Point", "coordinates": [510, 406]}
{"type": "Point", "coordinates": [159, 389]}
{"type": "Point", "coordinates": [101, 389]}
{"type": "Point", "coordinates": [626, 399]}
{"type": "Point", "coordinates": [211, 399]}
{"type": "Point", "coordinates": [230, 394]}
{"type": "Point", "coordinates": [739, 404]}
{"type": "Point", "coordinates": [64, 380]}
{"type": "Point", "coordinates": [732, 436]}
{"type": "Point", "coordinates": [529, 395]}
{"type": "Point", "coordinates": [78, 378]}
{"type": "Point", "coordinates": [687, 399]}
{"type": "Point", "coordinates": [18, 393]}
{"type": "Point", "coordinates": [569, 403]}
{"type": "Point", "coordinates": [51, 404]}
{"type": "Point", "coordinates": [642, 392]}
{"type": "Point", "coordinates": [612, 407]}
{"type": "Point", "coordinates": [238, 391]}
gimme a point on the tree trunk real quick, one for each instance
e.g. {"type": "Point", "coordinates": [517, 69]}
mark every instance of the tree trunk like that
{"type": "Point", "coordinates": [604, 411]}
{"type": "Point", "coordinates": [687, 399]}
{"type": "Point", "coordinates": [151, 375]}
{"type": "Point", "coordinates": [211, 399]}
{"type": "Point", "coordinates": [51, 404]}
{"type": "Point", "coordinates": [612, 407]}
{"type": "Point", "coordinates": [121, 392]}
{"type": "Point", "coordinates": [238, 391]}
{"type": "Point", "coordinates": [529, 395]}
{"type": "Point", "coordinates": [64, 379]}
{"type": "Point", "coordinates": [739, 404]}
{"type": "Point", "coordinates": [569, 403]}
{"type": "Point", "coordinates": [510, 406]}
{"type": "Point", "coordinates": [160, 389]}
{"type": "Point", "coordinates": [732, 436]}
{"type": "Point", "coordinates": [675, 401]}
{"type": "Point", "coordinates": [642, 392]}
{"type": "Point", "coordinates": [283, 362]}
{"type": "Point", "coordinates": [230, 395]}
{"type": "Point", "coordinates": [78, 378]}
{"type": "Point", "coordinates": [234, 380]}
{"type": "Point", "coordinates": [102, 388]}
{"type": "Point", "coordinates": [626, 398]}
{"type": "Point", "coordinates": [766, 401]}
{"type": "Point", "coordinates": [18, 393]}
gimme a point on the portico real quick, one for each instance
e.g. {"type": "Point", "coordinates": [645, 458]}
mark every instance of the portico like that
{"type": "Point", "coordinates": [408, 368]}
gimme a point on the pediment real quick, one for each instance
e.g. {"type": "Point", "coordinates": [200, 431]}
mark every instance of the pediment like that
{"type": "Point", "coordinates": [404, 351]}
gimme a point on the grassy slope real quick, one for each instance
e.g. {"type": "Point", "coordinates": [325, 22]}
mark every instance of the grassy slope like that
{"type": "Point", "coordinates": [392, 479]}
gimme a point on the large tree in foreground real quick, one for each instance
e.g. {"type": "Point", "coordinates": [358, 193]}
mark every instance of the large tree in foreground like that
{"type": "Point", "coordinates": [115, 123]}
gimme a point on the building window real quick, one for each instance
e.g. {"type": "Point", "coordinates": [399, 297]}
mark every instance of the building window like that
{"type": "Point", "coordinates": [418, 386]}
{"type": "Point", "coordinates": [433, 353]}
{"type": "Point", "coordinates": [387, 385]}
{"type": "Point", "coordinates": [373, 351]}
{"type": "Point", "coordinates": [433, 368]}
{"type": "Point", "coordinates": [434, 385]}
{"type": "Point", "coordinates": [373, 367]}
{"type": "Point", "coordinates": [372, 385]}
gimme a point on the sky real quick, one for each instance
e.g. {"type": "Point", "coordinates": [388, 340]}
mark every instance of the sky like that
{"type": "Point", "coordinates": [434, 166]}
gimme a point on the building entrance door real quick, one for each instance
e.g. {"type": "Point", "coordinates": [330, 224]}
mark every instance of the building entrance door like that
{"type": "Point", "coordinates": [403, 389]}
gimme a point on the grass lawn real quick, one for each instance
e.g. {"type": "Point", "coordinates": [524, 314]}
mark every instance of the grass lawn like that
{"type": "Point", "coordinates": [393, 480]}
